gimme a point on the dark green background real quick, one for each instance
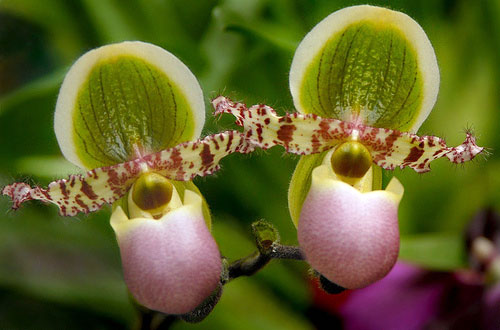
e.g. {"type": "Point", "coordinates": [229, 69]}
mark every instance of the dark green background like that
{"type": "Point", "coordinates": [60, 273]}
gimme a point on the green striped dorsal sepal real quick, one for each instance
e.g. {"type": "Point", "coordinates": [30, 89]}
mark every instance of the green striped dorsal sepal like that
{"type": "Point", "coordinates": [125, 100]}
{"type": "Point", "coordinates": [366, 64]}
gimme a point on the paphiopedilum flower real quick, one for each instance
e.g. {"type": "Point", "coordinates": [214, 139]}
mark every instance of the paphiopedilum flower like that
{"type": "Point", "coordinates": [363, 81]}
{"type": "Point", "coordinates": [171, 262]}
{"type": "Point", "coordinates": [131, 114]}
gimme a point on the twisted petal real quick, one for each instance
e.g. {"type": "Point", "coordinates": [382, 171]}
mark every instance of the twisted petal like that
{"type": "Point", "coordinates": [172, 264]}
{"type": "Point", "coordinates": [88, 192]}
{"type": "Point", "coordinates": [308, 134]}
{"type": "Point", "coordinates": [350, 237]}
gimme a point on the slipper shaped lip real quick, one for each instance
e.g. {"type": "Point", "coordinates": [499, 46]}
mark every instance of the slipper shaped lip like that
{"type": "Point", "coordinates": [171, 264]}
{"type": "Point", "coordinates": [350, 237]}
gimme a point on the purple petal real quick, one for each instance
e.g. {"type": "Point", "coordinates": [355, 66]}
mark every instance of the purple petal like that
{"type": "Point", "coordinates": [491, 312]}
{"type": "Point", "coordinates": [407, 298]}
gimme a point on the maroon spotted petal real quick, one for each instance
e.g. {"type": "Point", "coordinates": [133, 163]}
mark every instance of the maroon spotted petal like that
{"type": "Point", "coordinates": [90, 191]}
{"type": "Point", "coordinates": [308, 134]}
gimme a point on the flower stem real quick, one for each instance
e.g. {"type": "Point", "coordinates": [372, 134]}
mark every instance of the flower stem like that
{"type": "Point", "coordinates": [256, 261]}
{"type": "Point", "coordinates": [267, 241]}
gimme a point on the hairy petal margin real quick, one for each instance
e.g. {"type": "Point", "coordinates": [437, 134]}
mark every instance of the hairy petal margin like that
{"type": "Point", "coordinates": [90, 191]}
{"type": "Point", "coordinates": [309, 134]}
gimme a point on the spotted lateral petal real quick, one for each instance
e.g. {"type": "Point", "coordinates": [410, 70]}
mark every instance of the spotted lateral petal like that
{"type": "Point", "coordinates": [298, 133]}
{"type": "Point", "coordinates": [90, 191]}
{"type": "Point", "coordinates": [309, 134]}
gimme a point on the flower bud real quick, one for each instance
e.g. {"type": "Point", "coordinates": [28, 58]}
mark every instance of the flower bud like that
{"type": "Point", "coordinates": [350, 237]}
{"type": "Point", "coordinates": [171, 264]}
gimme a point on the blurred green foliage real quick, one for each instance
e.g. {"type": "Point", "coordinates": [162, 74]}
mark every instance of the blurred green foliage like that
{"type": "Point", "coordinates": [65, 272]}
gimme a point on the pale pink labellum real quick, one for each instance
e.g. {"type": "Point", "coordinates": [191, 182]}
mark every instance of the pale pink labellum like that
{"type": "Point", "coordinates": [172, 264]}
{"type": "Point", "coordinates": [308, 134]}
{"type": "Point", "coordinates": [350, 237]}
{"type": "Point", "coordinates": [90, 191]}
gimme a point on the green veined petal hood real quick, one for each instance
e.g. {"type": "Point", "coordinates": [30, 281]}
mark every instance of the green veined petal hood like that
{"type": "Point", "coordinates": [123, 100]}
{"type": "Point", "coordinates": [367, 62]}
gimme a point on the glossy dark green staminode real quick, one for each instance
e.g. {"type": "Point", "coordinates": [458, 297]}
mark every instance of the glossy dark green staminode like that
{"type": "Point", "coordinates": [368, 68]}
{"type": "Point", "coordinates": [127, 105]}
{"type": "Point", "coordinates": [180, 187]}
{"type": "Point", "coordinates": [152, 191]}
{"type": "Point", "coordinates": [351, 160]}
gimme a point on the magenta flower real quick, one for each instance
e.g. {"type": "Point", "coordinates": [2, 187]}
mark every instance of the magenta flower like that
{"type": "Point", "coordinates": [412, 298]}
{"type": "Point", "coordinates": [406, 299]}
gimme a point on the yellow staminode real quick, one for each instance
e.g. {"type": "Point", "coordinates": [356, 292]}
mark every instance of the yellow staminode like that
{"type": "Point", "coordinates": [190, 208]}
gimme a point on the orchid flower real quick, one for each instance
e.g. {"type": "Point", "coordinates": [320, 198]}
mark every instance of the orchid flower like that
{"type": "Point", "coordinates": [130, 114]}
{"type": "Point", "coordinates": [363, 81]}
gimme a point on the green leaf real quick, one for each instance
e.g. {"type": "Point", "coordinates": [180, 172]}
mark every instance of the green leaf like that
{"type": "Point", "coordinates": [65, 261]}
{"type": "Point", "coordinates": [44, 85]}
{"type": "Point", "coordinates": [111, 20]}
{"type": "Point", "coordinates": [56, 18]}
{"type": "Point", "coordinates": [46, 167]}
{"type": "Point", "coordinates": [277, 35]}
{"type": "Point", "coordinates": [438, 251]}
